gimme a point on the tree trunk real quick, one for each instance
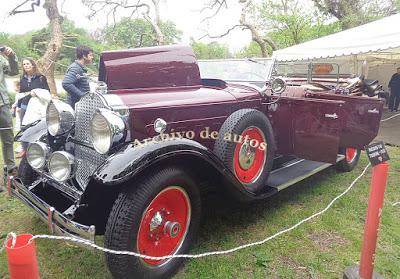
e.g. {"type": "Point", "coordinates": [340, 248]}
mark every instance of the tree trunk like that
{"type": "Point", "coordinates": [261, 41]}
{"type": "Point", "coordinates": [46, 64]}
{"type": "Point", "coordinates": [157, 22]}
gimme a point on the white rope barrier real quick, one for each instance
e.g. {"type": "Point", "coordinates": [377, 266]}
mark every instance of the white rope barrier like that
{"type": "Point", "coordinates": [393, 116]}
{"type": "Point", "coordinates": [214, 253]}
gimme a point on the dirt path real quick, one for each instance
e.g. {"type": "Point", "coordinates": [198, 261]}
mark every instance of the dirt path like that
{"type": "Point", "coordinates": [389, 131]}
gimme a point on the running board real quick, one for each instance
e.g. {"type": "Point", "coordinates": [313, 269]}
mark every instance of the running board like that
{"type": "Point", "coordinates": [295, 171]}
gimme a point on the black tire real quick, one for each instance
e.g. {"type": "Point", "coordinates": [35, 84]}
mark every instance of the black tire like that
{"type": "Point", "coordinates": [127, 214]}
{"type": "Point", "coordinates": [349, 162]}
{"type": "Point", "coordinates": [237, 123]}
{"type": "Point", "coordinates": [26, 173]}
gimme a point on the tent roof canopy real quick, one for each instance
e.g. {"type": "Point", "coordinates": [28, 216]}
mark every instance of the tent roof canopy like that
{"type": "Point", "coordinates": [380, 38]}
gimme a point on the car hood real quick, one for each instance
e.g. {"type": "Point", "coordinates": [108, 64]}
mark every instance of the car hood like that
{"type": "Point", "coordinates": [162, 98]}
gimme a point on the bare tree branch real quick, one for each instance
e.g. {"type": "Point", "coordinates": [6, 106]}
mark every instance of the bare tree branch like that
{"type": "Point", "coordinates": [32, 9]}
{"type": "Point", "coordinates": [112, 6]}
{"type": "Point", "coordinates": [221, 35]}
{"type": "Point", "coordinates": [220, 3]}
{"type": "Point", "coordinates": [214, 3]}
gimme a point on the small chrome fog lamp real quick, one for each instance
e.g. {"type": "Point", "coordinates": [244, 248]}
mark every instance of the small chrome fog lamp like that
{"type": "Point", "coordinates": [60, 117]}
{"type": "Point", "coordinates": [278, 85]}
{"type": "Point", "coordinates": [60, 165]}
{"type": "Point", "coordinates": [36, 155]}
{"type": "Point", "coordinates": [107, 128]}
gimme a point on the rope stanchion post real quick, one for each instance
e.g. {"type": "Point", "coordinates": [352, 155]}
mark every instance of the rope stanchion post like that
{"type": "Point", "coordinates": [375, 204]}
{"type": "Point", "coordinates": [374, 211]}
{"type": "Point", "coordinates": [21, 256]}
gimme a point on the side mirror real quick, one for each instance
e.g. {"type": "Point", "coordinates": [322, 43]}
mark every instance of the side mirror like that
{"type": "Point", "coordinates": [278, 85]}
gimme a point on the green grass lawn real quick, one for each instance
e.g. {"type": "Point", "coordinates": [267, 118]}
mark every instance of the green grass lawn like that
{"type": "Point", "coordinates": [321, 248]}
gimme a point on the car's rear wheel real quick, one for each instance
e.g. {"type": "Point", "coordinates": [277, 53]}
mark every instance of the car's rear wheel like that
{"type": "Point", "coordinates": [350, 161]}
{"type": "Point", "coordinates": [159, 217]}
{"type": "Point", "coordinates": [246, 146]}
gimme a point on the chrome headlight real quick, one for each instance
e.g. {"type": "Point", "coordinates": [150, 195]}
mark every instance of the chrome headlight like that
{"type": "Point", "coordinates": [36, 155]}
{"type": "Point", "coordinates": [107, 128]}
{"type": "Point", "coordinates": [60, 165]}
{"type": "Point", "coordinates": [60, 117]}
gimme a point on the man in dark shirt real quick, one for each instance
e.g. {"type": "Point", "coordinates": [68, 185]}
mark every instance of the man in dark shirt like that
{"type": "Point", "coordinates": [394, 85]}
{"type": "Point", "coordinates": [75, 81]}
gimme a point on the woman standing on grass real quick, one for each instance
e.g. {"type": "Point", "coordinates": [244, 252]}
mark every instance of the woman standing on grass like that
{"type": "Point", "coordinates": [30, 79]}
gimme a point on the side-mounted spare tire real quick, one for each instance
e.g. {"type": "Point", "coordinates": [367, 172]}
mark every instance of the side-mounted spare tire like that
{"type": "Point", "coordinates": [350, 161]}
{"type": "Point", "coordinates": [246, 146]}
{"type": "Point", "coordinates": [160, 216]}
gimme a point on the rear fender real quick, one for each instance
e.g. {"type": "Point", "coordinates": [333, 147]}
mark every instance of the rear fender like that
{"type": "Point", "coordinates": [131, 161]}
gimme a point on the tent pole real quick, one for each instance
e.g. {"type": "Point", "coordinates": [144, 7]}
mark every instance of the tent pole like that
{"type": "Point", "coordinates": [355, 66]}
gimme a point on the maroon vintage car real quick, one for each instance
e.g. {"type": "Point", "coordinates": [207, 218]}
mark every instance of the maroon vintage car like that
{"type": "Point", "coordinates": [131, 160]}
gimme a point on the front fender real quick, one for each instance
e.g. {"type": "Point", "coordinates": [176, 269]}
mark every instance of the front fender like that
{"type": "Point", "coordinates": [33, 132]}
{"type": "Point", "coordinates": [129, 162]}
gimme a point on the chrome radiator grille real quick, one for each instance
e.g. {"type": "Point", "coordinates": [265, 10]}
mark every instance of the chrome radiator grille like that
{"type": "Point", "coordinates": [87, 159]}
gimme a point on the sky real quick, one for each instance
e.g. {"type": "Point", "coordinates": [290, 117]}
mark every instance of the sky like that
{"type": "Point", "coordinates": [185, 14]}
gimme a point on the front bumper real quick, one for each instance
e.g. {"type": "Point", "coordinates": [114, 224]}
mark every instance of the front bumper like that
{"type": "Point", "coordinates": [56, 221]}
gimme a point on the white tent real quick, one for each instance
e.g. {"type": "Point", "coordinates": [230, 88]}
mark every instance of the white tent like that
{"type": "Point", "coordinates": [376, 43]}
{"type": "Point", "coordinates": [380, 38]}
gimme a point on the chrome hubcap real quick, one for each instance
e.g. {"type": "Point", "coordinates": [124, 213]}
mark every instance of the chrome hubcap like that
{"type": "Point", "coordinates": [172, 228]}
{"type": "Point", "coordinates": [158, 226]}
{"type": "Point", "coordinates": [156, 221]}
{"type": "Point", "coordinates": [246, 156]}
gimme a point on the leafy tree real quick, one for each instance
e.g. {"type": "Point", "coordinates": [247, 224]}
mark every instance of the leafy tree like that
{"type": "Point", "coordinates": [352, 13]}
{"type": "Point", "coordinates": [251, 50]}
{"type": "Point", "coordinates": [212, 50]}
{"type": "Point", "coordinates": [292, 23]}
{"type": "Point", "coordinates": [138, 32]}
{"type": "Point", "coordinates": [19, 43]}
{"type": "Point", "coordinates": [73, 36]}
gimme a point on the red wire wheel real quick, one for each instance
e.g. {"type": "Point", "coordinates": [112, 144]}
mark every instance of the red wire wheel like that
{"type": "Point", "coordinates": [249, 159]}
{"type": "Point", "coordinates": [164, 224]}
{"type": "Point", "coordinates": [159, 216]}
{"type": "Point", "coordinates": [351, 154]}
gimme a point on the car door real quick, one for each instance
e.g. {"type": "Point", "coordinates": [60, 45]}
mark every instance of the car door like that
{"type": "Point", "coordinates": [362, 118]}
{"type": "Point", "coordinates": [317, 125]}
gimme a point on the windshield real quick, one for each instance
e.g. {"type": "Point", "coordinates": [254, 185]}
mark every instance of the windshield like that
{"type": "Point", "coordinates": [251, 70]}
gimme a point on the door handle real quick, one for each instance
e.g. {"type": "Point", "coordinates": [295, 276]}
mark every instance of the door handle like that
{"type": "Point", "coordinates": [333, 116]}
{"type": "Point", "coordinates": [374, 111]}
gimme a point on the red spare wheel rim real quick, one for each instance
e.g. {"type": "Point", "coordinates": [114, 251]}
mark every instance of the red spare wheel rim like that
{"type": "Point", "coordinates": [164, 225]}
{"type": "Point", "coordinates": [351, 154]}
{"type": "Point", "coordinates": [249, 159]}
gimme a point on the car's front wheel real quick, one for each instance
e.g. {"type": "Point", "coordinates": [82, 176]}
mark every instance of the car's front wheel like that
{"type": "Point", "coordinates": [159, 217]}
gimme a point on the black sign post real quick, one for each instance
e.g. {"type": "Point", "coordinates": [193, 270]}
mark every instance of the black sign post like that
{"type": "Point", "coordinates": [377, 153]}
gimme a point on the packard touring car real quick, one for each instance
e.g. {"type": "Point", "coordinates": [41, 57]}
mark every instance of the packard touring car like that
{"type": "Point", "coordinates": [133, 157]}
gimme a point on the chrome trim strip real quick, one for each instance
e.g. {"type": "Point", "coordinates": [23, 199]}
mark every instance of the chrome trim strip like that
{"type": "Point", "coordinates": [56, 220]}
{"type": "Point", "coordinates": [300, 178]}
{"type": "Point", "coordinates": [291, 163]}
